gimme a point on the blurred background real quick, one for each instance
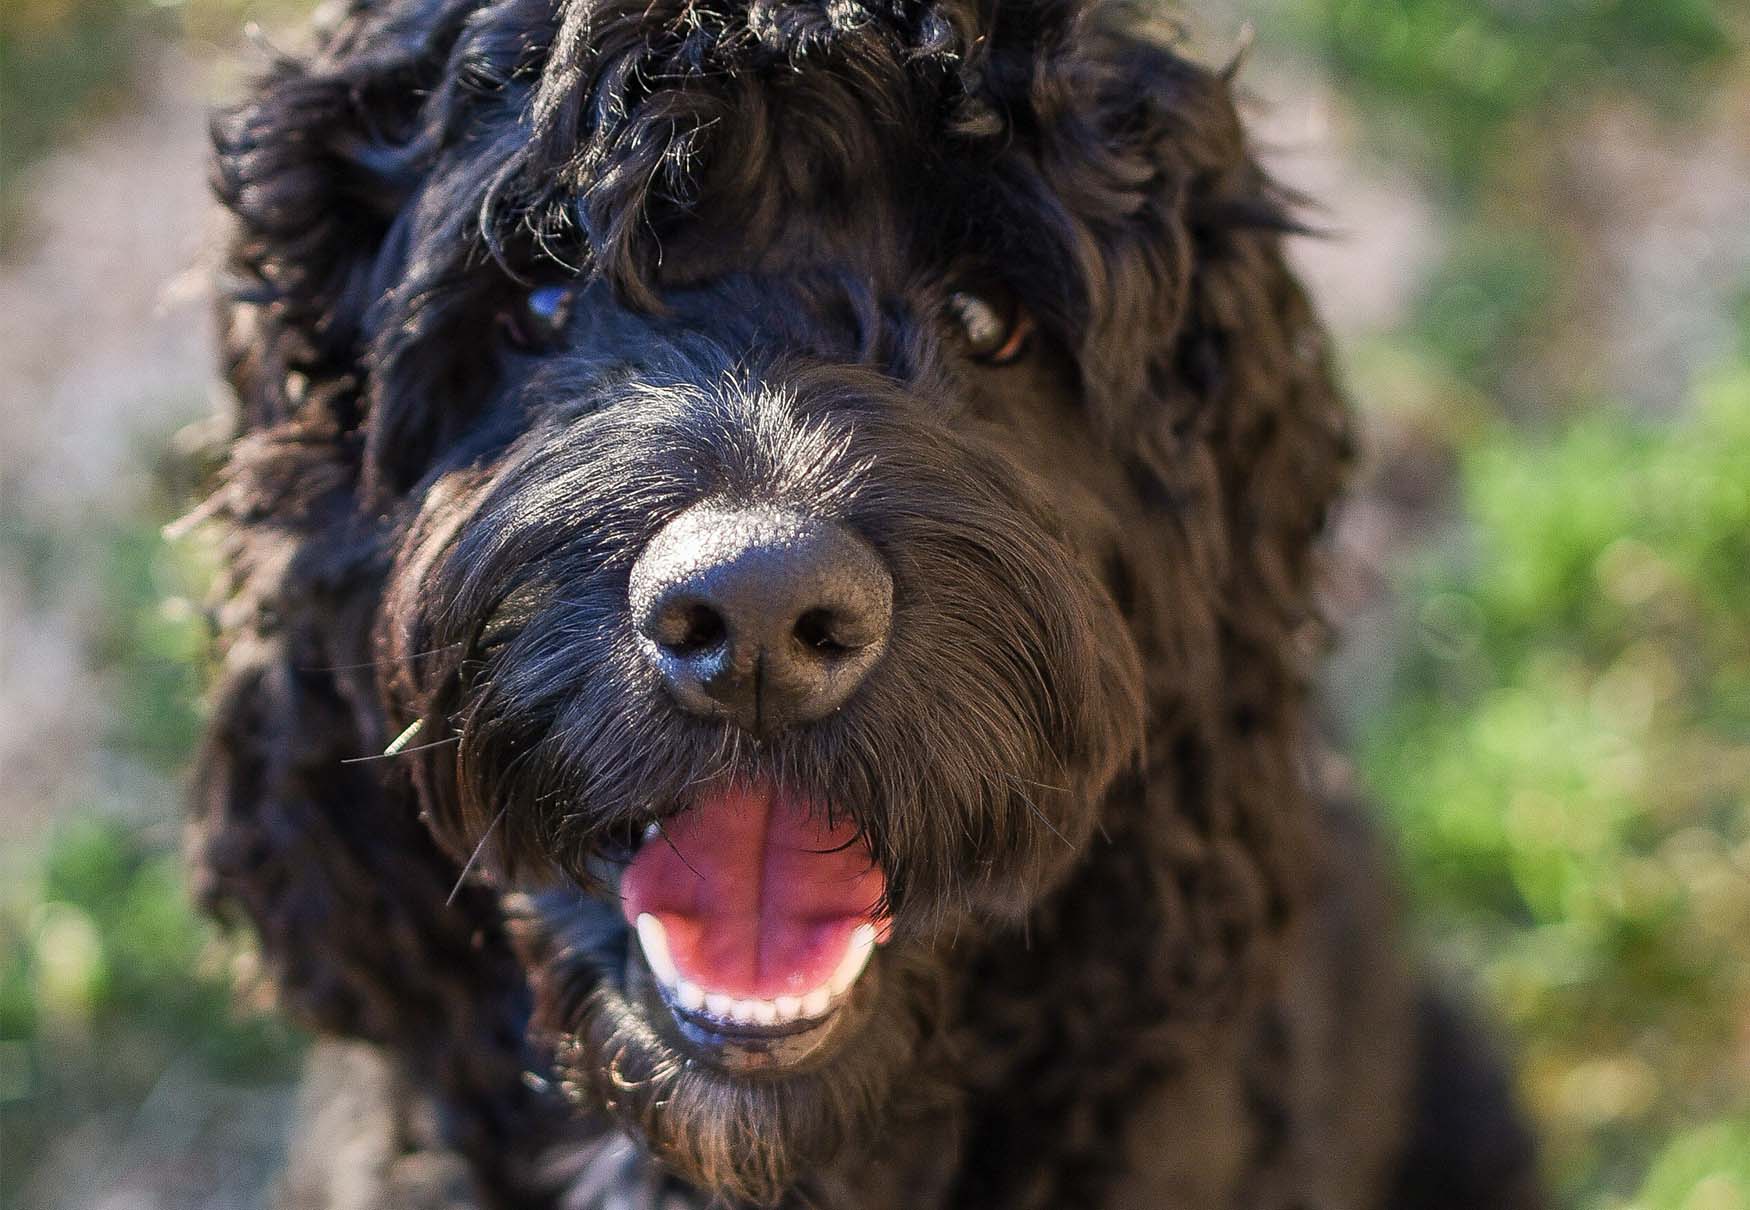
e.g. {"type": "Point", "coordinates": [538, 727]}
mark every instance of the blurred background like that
{"type": "Point", "coordinates": [1537, 258]}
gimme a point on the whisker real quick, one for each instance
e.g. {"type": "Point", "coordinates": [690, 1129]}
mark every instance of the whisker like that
{"type": "Point", "coordinates": [436, 743]}
{"type": "Point", "coordinates": [473, 857]}
{"type": "Point", "coordinates": [1043, 785]}
{"type": "Point", "coordinates": [1041, 816]}
{"type": "Point", "coordinates": [663, 832]}
{"type": "Point", "coordinates": [385, 662]}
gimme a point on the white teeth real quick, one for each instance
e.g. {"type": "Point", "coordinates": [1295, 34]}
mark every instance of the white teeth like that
{"type": "Point", "coordinates": [654, 938]}
{"type": "Point", "coordinates": [817, 1001]}
{"type": "Point", "coordinates": [855, 959]}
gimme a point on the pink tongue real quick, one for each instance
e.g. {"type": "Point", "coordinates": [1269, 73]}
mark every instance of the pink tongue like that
{"type": "Point", "coordinates": [758, 895]}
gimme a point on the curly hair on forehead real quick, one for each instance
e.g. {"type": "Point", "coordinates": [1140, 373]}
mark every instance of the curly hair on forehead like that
{"type": "Point", "coordinates": [517, 291]}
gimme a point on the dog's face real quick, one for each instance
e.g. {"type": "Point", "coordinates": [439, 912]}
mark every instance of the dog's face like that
{"type": "Point", "coordinates": [777, 650]}
{"type": "Point", "coordinates": [784, 433]}
{"type": "Point", "coordinates": [778, 656]}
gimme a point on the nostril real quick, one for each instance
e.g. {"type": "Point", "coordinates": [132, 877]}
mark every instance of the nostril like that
{"type": "Point", "coordinates": [820, 630]}
{"type": "Point", "coordinates": [690, 627]}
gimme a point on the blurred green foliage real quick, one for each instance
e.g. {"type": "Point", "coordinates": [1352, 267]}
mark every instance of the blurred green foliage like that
{"type": "Point", "coordinates": [109, 981]}
{"type": "Point", "coordinates": [1703, 1169]}
{"type": "Point", "coordinates": [1567, 756]}
{"type": "Point", "coordinates": [1478, 317]}
{"type": "Point", "coordinates": [57, 59]}
{"type": "Point", "coordinates": [1453, 76]}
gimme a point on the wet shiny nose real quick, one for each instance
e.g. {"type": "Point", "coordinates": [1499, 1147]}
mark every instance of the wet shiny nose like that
{"type": "Point", "coordinates": [763, 616]}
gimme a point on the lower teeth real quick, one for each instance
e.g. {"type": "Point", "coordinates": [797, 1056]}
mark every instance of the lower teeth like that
{"type": "Point", "coordinates": [783, 1010]}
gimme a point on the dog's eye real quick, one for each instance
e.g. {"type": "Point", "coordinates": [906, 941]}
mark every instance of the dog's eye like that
{"type": "Point", "coordinates": [541, 317]}
{"type": "Point", "coordinates": [994, 327]}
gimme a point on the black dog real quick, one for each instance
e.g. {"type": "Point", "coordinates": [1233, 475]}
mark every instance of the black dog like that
{"type": "Point", "coordinates": [819, 500]}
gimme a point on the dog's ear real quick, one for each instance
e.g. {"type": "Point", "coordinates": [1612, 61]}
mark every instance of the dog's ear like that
{"type": "Point", "coordinates": [316, 168]}
{"type": "Point", "coordinates": [363, 930]}
{"type": "Point", "coordinates": [1196, 339]}
{"type": "Point", "coordinates": [1205, 366]}
{"type": "Point", "coordinates": [299, 825]}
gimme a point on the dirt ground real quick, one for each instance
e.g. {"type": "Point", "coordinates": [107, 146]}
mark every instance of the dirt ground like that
{"type": "Point", "coordinates": [104, 352]}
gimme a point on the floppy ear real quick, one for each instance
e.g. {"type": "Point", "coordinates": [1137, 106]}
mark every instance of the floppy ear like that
{"type": "Point", "coordinates": [1205, 367]}
{"type": "Point", "coordinates": [316, 167]}
{"type": "Point", "coordinates": [299, 825]}
{"type": "Point", "coordinates": [350, 897]}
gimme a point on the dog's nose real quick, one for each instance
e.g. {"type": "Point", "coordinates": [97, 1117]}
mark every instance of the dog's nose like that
{"type": "Point", "coordinates": [761, 615]}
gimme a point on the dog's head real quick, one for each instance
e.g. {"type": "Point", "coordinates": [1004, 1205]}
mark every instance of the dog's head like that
{"type": "Point", "coordinates": [798, 450]}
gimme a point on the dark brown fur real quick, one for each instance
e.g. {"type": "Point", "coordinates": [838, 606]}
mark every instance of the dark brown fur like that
{"type": "Point", "coordinates": [1135, 961]}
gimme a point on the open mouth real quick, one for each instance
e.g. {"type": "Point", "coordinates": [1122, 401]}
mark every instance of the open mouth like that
{"type": "Point", "coordinates": [757, 921]}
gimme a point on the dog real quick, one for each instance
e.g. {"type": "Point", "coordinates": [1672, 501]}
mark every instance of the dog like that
{"type": "Point", "coordinates": [771, 553]}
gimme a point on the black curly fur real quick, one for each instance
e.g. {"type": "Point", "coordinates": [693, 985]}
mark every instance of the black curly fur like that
{"type": "Point", "coordinates": [1134, 963]}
